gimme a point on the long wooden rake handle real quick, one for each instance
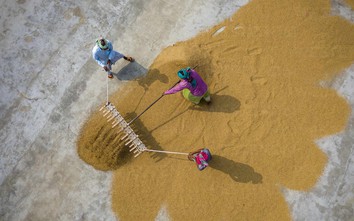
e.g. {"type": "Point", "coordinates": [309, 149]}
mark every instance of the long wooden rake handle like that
{"type": "Point", "coordinates": [163, 151]}
{"type": "Point", "coordinates": [150, 105]}
{"type": "Point", "coordinates": [145, 110]}
{"type": "Point", "coordinates": [154, 102]}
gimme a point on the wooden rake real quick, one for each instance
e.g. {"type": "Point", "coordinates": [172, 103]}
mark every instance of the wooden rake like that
{"type": "Point", "coordinates": [131, 138]}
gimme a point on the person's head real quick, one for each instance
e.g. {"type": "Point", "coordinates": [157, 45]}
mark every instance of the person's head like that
{"type": "Point", "coordinates": [184, 73]}
{"type": "Point", "coordinates": [102, 43]}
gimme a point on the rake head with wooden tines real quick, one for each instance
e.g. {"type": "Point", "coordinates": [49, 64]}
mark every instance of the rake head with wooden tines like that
{"type": "Point", "coordinates": [131, 138]}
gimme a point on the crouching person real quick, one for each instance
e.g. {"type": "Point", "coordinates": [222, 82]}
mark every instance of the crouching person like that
{"type": "Point", "coordinates": [201, 157]}
{"type": "Point", "coordinates": [192, 86]}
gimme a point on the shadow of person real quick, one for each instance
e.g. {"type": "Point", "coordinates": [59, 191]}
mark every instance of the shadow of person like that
{"type": "Point", "coordinates": [239, 172]}
{"type": "Point", "coordinates": [219, 103]}
{"type": "Point", "coordinates": [152, 76]}
{"type": "Point", "coordinates": [131, 71]}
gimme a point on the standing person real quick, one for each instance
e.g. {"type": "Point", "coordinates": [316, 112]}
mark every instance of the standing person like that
{"type": "Point", "coordinates": [105, 56]}
{"type": "Point", "coordinates": [193, 86]}
{"type": "Point", "coordinates": [201, 157]}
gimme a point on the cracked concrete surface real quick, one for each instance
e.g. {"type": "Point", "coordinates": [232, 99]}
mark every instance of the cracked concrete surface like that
{"type": "Point", "coordinates": [52, 84]}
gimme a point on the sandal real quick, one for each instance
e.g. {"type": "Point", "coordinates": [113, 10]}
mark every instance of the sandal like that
{"type": "Point", "coordinates": [129, 58]}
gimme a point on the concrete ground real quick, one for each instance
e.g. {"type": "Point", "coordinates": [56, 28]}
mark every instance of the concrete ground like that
{"type": "Point", "coordinates": [50, 84]}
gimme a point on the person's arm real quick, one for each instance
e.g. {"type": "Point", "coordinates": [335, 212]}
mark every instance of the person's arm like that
{"type": "Point", "coordinates": [110, 55]}
{"type": "Point", "coordinates": [97, 59]}
{"type": "Point", "coordinates": [180, 86]}
{"type": "Point", "coordinates": [190, 157]}
{"type": "Point", "coordinates": [110, 46]}
{"type": "Point", "coordinates": [191, 154]}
